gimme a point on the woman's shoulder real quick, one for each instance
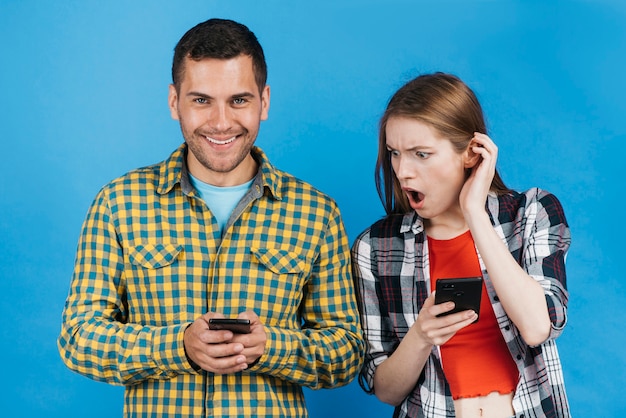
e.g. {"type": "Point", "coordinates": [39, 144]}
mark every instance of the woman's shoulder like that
{"type": "Point", "coordinates": [385, 227]}
{"type": "Point", "coordinates": [530, 196]}
{"type": "Point", "coordinates": [534, 199]}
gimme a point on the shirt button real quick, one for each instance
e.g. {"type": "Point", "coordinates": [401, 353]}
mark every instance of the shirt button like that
{"type": "Point", "coordinates": [497, 299]}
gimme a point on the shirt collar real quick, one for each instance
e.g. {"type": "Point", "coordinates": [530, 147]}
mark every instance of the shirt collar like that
{"type": "Point", "coordinates": [174, 170]}
{"type": "Point", "coordinates": [412, 222]}
{"type": "Point", "coordinates": [268, 176]}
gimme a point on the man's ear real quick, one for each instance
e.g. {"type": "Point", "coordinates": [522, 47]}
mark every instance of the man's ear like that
{"type": "Point", "coordinates": [265, 102]}
{"type": "Point", "coordinates": [172, 101]}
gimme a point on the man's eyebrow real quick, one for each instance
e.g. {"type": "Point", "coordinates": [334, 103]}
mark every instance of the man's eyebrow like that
{"type": "Point", "coordinates": [198, 94]}
{"type": "Point", "coordinates": [244, 94]}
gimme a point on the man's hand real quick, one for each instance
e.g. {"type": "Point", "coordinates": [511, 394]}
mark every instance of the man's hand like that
{"type": "Point", "coordinates": [254, 343]}
{"type": "Point", "coordinates": [223, 351]}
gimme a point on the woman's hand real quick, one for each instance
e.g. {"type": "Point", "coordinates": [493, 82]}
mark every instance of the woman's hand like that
{"type": "Point", "coordinates": [434, 330]}
{"type": "Point", "coordinates": [397, 376]}
{"type": "Point", "coordinates": [474, 193]}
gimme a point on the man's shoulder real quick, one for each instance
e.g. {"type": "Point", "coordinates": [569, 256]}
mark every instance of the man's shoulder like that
{"type": "Point", "coordinates": [287, 186]}
{"type": "Point", "coordinates": [138, 177]}
{"type": "Point", "coordinates": [294, 189]}
{"type": "Point", "coordinates": [290, 182]}
{"type": "Point", "coordinates": [145, 178]}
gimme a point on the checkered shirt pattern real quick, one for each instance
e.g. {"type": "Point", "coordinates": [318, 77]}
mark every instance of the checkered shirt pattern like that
{"type": "Point", "coordinates": [392, 276]}
{"type": "Point", "coordinates": [151, 260]}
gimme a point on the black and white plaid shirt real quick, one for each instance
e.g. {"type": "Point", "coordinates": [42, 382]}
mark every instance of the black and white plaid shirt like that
{"type": "Point", "coordinates": [392, 274]}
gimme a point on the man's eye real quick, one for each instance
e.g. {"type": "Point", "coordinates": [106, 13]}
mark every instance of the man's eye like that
{"type": "Point", "coordinates": [200, 100]}
{"type": "Point", "coordinates": [239, 101]}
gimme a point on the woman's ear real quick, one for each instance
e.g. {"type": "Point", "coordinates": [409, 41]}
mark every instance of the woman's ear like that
{"type": "Point", "coordinates": [470, 158]}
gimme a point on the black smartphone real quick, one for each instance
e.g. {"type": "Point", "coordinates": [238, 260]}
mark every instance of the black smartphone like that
{"type": "Point", "coordinates": [236, 325]}
{"type": "Point", "coordinates": [464, 292]}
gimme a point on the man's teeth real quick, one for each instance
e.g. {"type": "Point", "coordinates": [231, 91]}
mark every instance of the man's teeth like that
{"type": "Point", "coordinates": [218, 142]}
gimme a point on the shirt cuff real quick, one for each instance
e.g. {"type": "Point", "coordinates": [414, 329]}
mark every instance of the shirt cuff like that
{"type": "Point", "coordinates": [277, 354]}
{"type": "Point", "coordinates": [169, 350]}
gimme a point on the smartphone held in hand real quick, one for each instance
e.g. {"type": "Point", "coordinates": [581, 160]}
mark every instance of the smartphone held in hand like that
{"type": "Point", "coordinates": [465, 292]}
{"type": "Point", "coordinates": [238, 326]}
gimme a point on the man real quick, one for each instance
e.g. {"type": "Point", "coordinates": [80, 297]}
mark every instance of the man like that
{"type": "Point", "coordinates": [214, 231]}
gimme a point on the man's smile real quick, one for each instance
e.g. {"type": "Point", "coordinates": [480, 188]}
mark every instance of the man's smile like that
{"type": "Point", "coordinates": [220, 142]}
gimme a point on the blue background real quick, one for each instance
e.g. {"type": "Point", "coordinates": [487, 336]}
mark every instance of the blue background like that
{"type": "Point", "coordinates": [84, 99]}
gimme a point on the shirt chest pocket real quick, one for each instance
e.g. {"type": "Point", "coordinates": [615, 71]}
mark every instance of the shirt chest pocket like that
{"type": "Point", "coordinates": [154, 282]}
{"type": "Point", "coordinates": [279, 261]}
{"type": "Point", "coordinates": [280, 276]}
{"type": "Point", "coordinates": [154, 256]}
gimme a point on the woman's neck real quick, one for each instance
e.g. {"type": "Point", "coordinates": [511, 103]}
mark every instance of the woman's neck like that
{"type": "Point", "coordinates": [447, 228]}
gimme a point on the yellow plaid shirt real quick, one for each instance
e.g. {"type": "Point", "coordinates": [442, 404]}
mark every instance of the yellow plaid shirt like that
{"type": "Point", "coordinates": [151, 260]}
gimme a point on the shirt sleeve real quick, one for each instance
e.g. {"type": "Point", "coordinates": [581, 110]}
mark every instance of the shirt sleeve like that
{"type": "Point", "coordinates": [95, 339]}
{"type": "Point", "coordinates": [328, 350]}
{"type": "Point", "coordinates": [547, 239]}
{"type": "Point", "coordinates": [377, 328]}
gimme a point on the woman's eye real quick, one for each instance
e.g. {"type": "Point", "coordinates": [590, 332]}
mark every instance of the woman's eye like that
{"type": "Point", "coordinates": [422, 155]}
{"type": "Point", "coordinates": [392, 152]}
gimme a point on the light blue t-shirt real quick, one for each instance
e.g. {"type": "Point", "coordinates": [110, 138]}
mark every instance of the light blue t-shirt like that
{"type": "Point", "coordinates": [221, 200]}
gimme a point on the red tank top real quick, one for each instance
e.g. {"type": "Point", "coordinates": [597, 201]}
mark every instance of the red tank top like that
{"type": "Point", "coordinates": [476, 361]}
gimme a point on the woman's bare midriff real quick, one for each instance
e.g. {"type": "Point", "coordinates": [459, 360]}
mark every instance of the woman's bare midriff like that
{"type": "Point", "coordinates": [494, 405]}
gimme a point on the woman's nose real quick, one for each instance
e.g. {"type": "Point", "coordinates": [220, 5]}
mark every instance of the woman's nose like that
{"type": "Point", "coordinates": [403, 168]}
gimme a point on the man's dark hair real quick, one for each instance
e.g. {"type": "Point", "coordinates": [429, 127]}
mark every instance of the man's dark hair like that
{"type": "Point", "coordinates": [221, 39]}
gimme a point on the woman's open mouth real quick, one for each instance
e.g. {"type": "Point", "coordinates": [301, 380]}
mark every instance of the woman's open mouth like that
{"type": "Point", "coordinates": [415, 197]}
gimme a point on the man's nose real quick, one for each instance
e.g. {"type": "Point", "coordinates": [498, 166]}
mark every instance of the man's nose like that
{"type": "Point", "coordinates": [220, 118]}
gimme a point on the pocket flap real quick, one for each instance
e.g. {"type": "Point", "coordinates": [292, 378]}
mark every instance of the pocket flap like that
{"type": "Point", "coordinates": [154, 255]}
{"type": "Point", "coordinates": [279, 261]}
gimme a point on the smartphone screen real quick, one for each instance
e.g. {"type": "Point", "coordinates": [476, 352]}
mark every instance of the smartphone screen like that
{"type": "Point", "coordinates": [465, 292]}
{"type": "Point", "coordinates": [239, 326]}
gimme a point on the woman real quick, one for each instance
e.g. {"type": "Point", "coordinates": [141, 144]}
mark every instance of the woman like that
{"type": "Point", "coordinates": [449, 214]}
